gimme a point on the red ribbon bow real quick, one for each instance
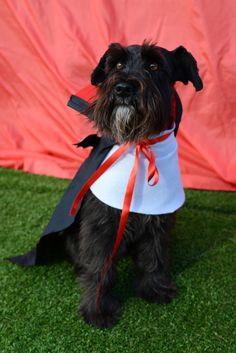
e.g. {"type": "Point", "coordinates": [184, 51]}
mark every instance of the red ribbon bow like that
{"type": "Point", "coordinates": [144, 147]}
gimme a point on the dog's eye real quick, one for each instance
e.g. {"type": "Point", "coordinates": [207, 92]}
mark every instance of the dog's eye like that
{"type": "Point", "coordinates": [120, 66]}
{"type": "Point", "coordinates": [154, 67]}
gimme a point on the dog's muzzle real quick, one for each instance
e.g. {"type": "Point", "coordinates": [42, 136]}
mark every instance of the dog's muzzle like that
{"type": "Point", "coordinates": [124, 89]}
{"type": "Point", "coordinates": [124, 111]}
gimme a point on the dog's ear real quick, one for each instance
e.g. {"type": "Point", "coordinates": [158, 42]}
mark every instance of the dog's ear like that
{"type": "Point", "coordinates": [114, 50]}
{"type": "Point", "coordinates": [185, 68]}
{"type": "Point", "coordinates": [98, 74]}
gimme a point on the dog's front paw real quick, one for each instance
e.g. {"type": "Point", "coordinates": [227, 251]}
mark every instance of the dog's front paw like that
{"type": "Point", "coordinates": [161, 292]}
{"type": "Point", "coordinates": [106, 316]}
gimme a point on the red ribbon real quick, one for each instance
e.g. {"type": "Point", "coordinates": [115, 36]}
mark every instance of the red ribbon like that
{"type": "Point", "coordinates": [143, 147]}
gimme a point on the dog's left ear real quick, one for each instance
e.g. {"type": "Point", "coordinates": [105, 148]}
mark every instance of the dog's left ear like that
{"type": "Point", "coordinates": [185, 68]}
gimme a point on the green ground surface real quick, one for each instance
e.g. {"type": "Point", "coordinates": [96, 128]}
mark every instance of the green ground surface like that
{"type": "Point", "coordinates": [39, 305]}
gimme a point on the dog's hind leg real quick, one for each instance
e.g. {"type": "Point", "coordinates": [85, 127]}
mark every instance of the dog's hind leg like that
{"type": "Point", "coordinates": [151, 257]}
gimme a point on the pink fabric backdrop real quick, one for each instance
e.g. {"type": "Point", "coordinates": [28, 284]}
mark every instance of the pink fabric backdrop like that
{"type": "Point", "coordinates": [49, 48]}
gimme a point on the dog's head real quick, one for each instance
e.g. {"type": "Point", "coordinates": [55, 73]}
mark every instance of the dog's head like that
{"type": "Point", "coordinates": [135, 89]}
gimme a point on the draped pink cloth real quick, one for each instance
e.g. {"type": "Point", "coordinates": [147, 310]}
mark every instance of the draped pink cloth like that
{"type": "Point", "coordinates": [49, 48]}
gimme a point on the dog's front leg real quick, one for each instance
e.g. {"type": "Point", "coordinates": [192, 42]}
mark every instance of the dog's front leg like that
{"type": "Point", "coordinates": [92, 247]}
{"type": "Point", "coordinates": [103, 310]}
{"type": "Point", "coordinates": [151, 257]}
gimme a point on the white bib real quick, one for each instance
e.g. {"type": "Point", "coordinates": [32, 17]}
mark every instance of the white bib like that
{"type": "Point", "coordinates": [164, 197]}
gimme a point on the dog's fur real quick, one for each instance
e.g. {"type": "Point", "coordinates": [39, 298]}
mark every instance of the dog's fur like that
{"type": "Point", "coordinates": [135, 86]}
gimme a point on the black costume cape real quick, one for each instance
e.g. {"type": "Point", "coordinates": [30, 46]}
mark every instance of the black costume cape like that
{"type": "Point", "coordinates": [51, 245]}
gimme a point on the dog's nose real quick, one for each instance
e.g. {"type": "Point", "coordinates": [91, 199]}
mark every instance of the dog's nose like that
{"type": "Point", "coordinates": [124, 89]}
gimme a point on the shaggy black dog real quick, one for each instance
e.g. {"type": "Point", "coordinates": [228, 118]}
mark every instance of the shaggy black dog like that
{"type": "Point", "coordinates": [135, 90]}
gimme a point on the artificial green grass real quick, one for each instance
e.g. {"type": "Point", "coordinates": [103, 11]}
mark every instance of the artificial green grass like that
{"type": "Point", "coordinates": [38, 305]}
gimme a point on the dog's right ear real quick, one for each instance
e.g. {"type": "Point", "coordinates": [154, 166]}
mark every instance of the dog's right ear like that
{"type": "Point", "coordinates": [99, 73]}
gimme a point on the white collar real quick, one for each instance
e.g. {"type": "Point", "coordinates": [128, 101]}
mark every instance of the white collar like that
{"type": "Point", "coordinates": [165, 197]}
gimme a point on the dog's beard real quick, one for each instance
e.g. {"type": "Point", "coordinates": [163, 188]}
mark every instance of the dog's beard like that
{"type": "Point", "coordinates": [131, 122]}
{"type": "Point", "coordinates": [124, 123]}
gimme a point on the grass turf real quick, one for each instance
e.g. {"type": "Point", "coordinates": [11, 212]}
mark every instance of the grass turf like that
{"type": "Point", "coordinates": [39, 305]}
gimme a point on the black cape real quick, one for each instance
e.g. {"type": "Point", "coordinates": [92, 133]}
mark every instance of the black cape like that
{"type": "Point", "coordinates": [50, 247]}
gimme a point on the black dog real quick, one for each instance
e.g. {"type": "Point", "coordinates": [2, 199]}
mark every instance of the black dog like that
{"type": "Point", "coordinates": [135, 97]}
